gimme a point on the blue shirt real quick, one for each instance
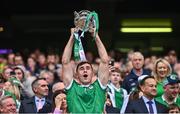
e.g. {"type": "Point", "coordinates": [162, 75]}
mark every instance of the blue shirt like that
{"type": "Point", "coordinates": [42, 100]}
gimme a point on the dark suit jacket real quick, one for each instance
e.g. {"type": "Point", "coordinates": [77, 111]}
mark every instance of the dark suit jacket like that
{"type": "Point", "coordinates": [29, 106]}
{"type": "Point", "coordinates": [138, 106]}
{"type": "Point", "coordinates": [112, 110]}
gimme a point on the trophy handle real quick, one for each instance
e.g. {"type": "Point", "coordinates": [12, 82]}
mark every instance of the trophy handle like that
{"type": "Point", "coordinates": [76, 17]}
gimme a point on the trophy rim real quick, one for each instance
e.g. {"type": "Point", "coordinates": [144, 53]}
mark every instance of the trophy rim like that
{"type": "Point", "coordinates": [82, 15]}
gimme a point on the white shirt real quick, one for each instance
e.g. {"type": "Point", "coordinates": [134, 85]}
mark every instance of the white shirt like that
{"type": "Point", "coordinates": [147, 105]}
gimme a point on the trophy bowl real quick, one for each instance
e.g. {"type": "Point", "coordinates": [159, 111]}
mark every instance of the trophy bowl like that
{"type": "Point", "coordinates": [80, 20]}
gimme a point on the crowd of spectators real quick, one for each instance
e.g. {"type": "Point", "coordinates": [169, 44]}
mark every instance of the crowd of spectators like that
{"type": "Point", "coordinates": [40, 75]}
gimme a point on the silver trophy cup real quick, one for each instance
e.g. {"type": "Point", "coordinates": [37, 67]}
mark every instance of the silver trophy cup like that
{"type": "Point", "coordinates": [80, 20]}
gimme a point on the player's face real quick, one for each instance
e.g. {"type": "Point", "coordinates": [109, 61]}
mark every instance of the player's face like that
{"type": "Point", "coordinates": [85, 74]}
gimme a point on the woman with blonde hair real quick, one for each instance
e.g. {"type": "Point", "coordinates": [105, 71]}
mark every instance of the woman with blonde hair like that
{"type": "Point", "coordinates": [161, 70]}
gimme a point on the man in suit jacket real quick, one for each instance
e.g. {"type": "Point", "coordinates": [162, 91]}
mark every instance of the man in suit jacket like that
{"type": "Point", "coordinates": [38, 103]}
{"type": "Point", "coordinates": [146, 104]}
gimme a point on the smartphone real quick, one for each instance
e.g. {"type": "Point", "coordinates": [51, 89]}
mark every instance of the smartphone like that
{"type": "Point", "coordinates": [12, 74]}
{"type": "Point", "coordinates": [111, 62]}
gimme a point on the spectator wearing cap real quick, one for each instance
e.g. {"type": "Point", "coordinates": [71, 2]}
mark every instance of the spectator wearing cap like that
{"type": "Point", "coordinates": [147, 103]}
{"type": "Point", "coordinates": [171, 89]}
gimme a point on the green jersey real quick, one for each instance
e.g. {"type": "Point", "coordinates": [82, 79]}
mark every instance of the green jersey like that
{"type": "Point", "coordinates": [162, 100]}
{"type": "Point", "coordinates": [117, 95]}
{"type": "Point", "coordinates": [86, 99]}
{"type": "Point", "coordinates": [160, 89]}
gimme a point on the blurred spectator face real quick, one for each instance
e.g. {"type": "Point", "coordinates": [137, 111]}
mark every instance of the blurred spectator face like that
{"type": "Point", "coordinates": [89, 57]}
{"type": "Point", "coordinates": [58, 86]}
{"type": "Point", "coordinates": [11, 58]}
{"type": "Point", "coordinates": [171, 90]}
{"type": "Point", "coordinates": [61, 97]}
{"type": "Point", "coordinates": [130, 54]}
{"type": "Point", "coordinates": [117, 64]}
{"type": "Point", "coordinates": [177, 69]}
{"type": "Point", "coordinates": [97, 60]}
{"type": "Point", "coordinates": [162, 69]}
{"type": "Point", "coordinates": [37, 52]}
{"type": "Point", "coordinates": [51, 59]}
{"type": "Point", "coordinates": [174, 111]}
{"type": "Point", "coordinates": [112, 54]}
{"type": "Point", "coordinates": [18, 60]}
{"type": "Point", "coordinates": [7, 85]}
{"type": "Point", "coordinates": [6, 73]}
{"type": "Point", "coordinates": [59, 72]}
{"type": "Point", "coordinates": [115, 78]}
{"type": "Point", "coordinates": [128, 66]}
{"type": "Point", "coordinates": [51, 67]}
{"type": "Point", "coordinates": [19, 74]}
{"type": "Point", "coordinates": [147, 61]}
{"type": "Point", "coordinates": [137, 60]}
{"type": "Point", "coordinates": [8, 105]}
{"type": "Point", "coordinates": [42, 88]}
{"type": "Point", "coordinates": [153, 59]}
{"type": "Point", "coordinates": [48, 76]}
{"type": "Point", "coordinates": [31, 62]}
{"type": "Point", "coordinates": [64, 103]}
{"type": "Point", "coordinates": [32, 55]}
{"type": "Point", "coordinates": [42, 59]}
{"type": "Point", "coordinates": [2, 59]}
{"type": "Point", "coordinates": [57, 59]}
{"type": "Point", "coordinates": [172, 57]}
{"type": "Point", "coordinates": [167, 58]}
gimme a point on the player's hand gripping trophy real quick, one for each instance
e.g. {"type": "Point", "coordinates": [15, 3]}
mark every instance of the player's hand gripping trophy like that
{"type": "Point", "coordinates": [84, 21]}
